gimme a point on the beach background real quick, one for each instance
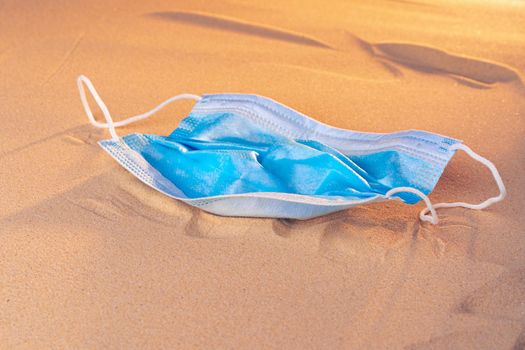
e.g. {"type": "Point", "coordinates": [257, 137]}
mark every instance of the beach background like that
{"type": "Point", "coordinates": [92, 258]}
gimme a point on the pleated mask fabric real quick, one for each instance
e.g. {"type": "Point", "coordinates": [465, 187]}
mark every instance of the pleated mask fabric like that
{"type": "Point", "coordinates": [247, 155]}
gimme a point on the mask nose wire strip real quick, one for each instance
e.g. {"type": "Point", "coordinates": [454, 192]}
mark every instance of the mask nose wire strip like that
{"type": "Point", "coordinates": [110, 124]}
{"type": "Point", "coordinates": [433, 218]}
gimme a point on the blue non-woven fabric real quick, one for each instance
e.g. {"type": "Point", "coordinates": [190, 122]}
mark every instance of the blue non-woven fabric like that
{"type": "Point", "coordinates": [247, 155]}
{"type": "Point", "coordinates": [225, 152]}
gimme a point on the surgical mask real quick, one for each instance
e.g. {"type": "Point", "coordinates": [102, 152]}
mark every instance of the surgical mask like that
{"type": "Point", "coordinates": [247, 155]}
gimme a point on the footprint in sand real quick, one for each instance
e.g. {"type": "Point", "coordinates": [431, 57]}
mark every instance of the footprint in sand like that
{"type": "Point", "coordinates": [116, 196]}
{"type": "Point", "coordinates": [115, 208]}
{"type": "Point", "coordinates": [209, 226]}
{"type": "Point", "coordinates": [351, 234]}
{"type": "Point", "coordinates": [466, 70]}
{"type": "Point", "coordinates": [501, 298]}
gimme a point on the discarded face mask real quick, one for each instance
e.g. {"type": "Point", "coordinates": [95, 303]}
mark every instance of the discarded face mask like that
{"type": "Point", "coordinates": [247, 155]}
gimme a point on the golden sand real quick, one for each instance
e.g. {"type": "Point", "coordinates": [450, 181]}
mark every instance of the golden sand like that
{"type": "Point", "coordinates": [92, 258]}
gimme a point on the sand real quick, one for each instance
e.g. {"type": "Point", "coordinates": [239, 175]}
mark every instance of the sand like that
{"type": "Point", "coordinates": [92, 258]}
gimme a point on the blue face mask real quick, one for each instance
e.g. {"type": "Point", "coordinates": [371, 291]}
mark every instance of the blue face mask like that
{"type": "Point", "coordinates": [246, 155]}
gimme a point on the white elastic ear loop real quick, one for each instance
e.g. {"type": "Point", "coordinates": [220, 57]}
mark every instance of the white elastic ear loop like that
{"type": "Point", "coordinates": [81, 80]}
{"type": "Point", "coordinates": [433, 218]}
{"type": "Point", "coordinates": [497, 177]}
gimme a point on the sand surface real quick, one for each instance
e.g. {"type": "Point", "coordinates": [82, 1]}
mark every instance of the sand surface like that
{"type": "Point", "coordinates": [92, 258]}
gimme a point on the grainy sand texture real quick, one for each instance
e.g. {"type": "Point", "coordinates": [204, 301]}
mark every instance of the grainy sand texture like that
{"type": "Point", "coordinates": [91, 258]}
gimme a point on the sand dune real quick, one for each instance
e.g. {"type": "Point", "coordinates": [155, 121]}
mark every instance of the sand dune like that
{"type": "Point", "coordinates": [237, 26]}
{"type": "Point", "coordinates": [433, 60]}
{"type": "Point", "coordinates": [92, 258]}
